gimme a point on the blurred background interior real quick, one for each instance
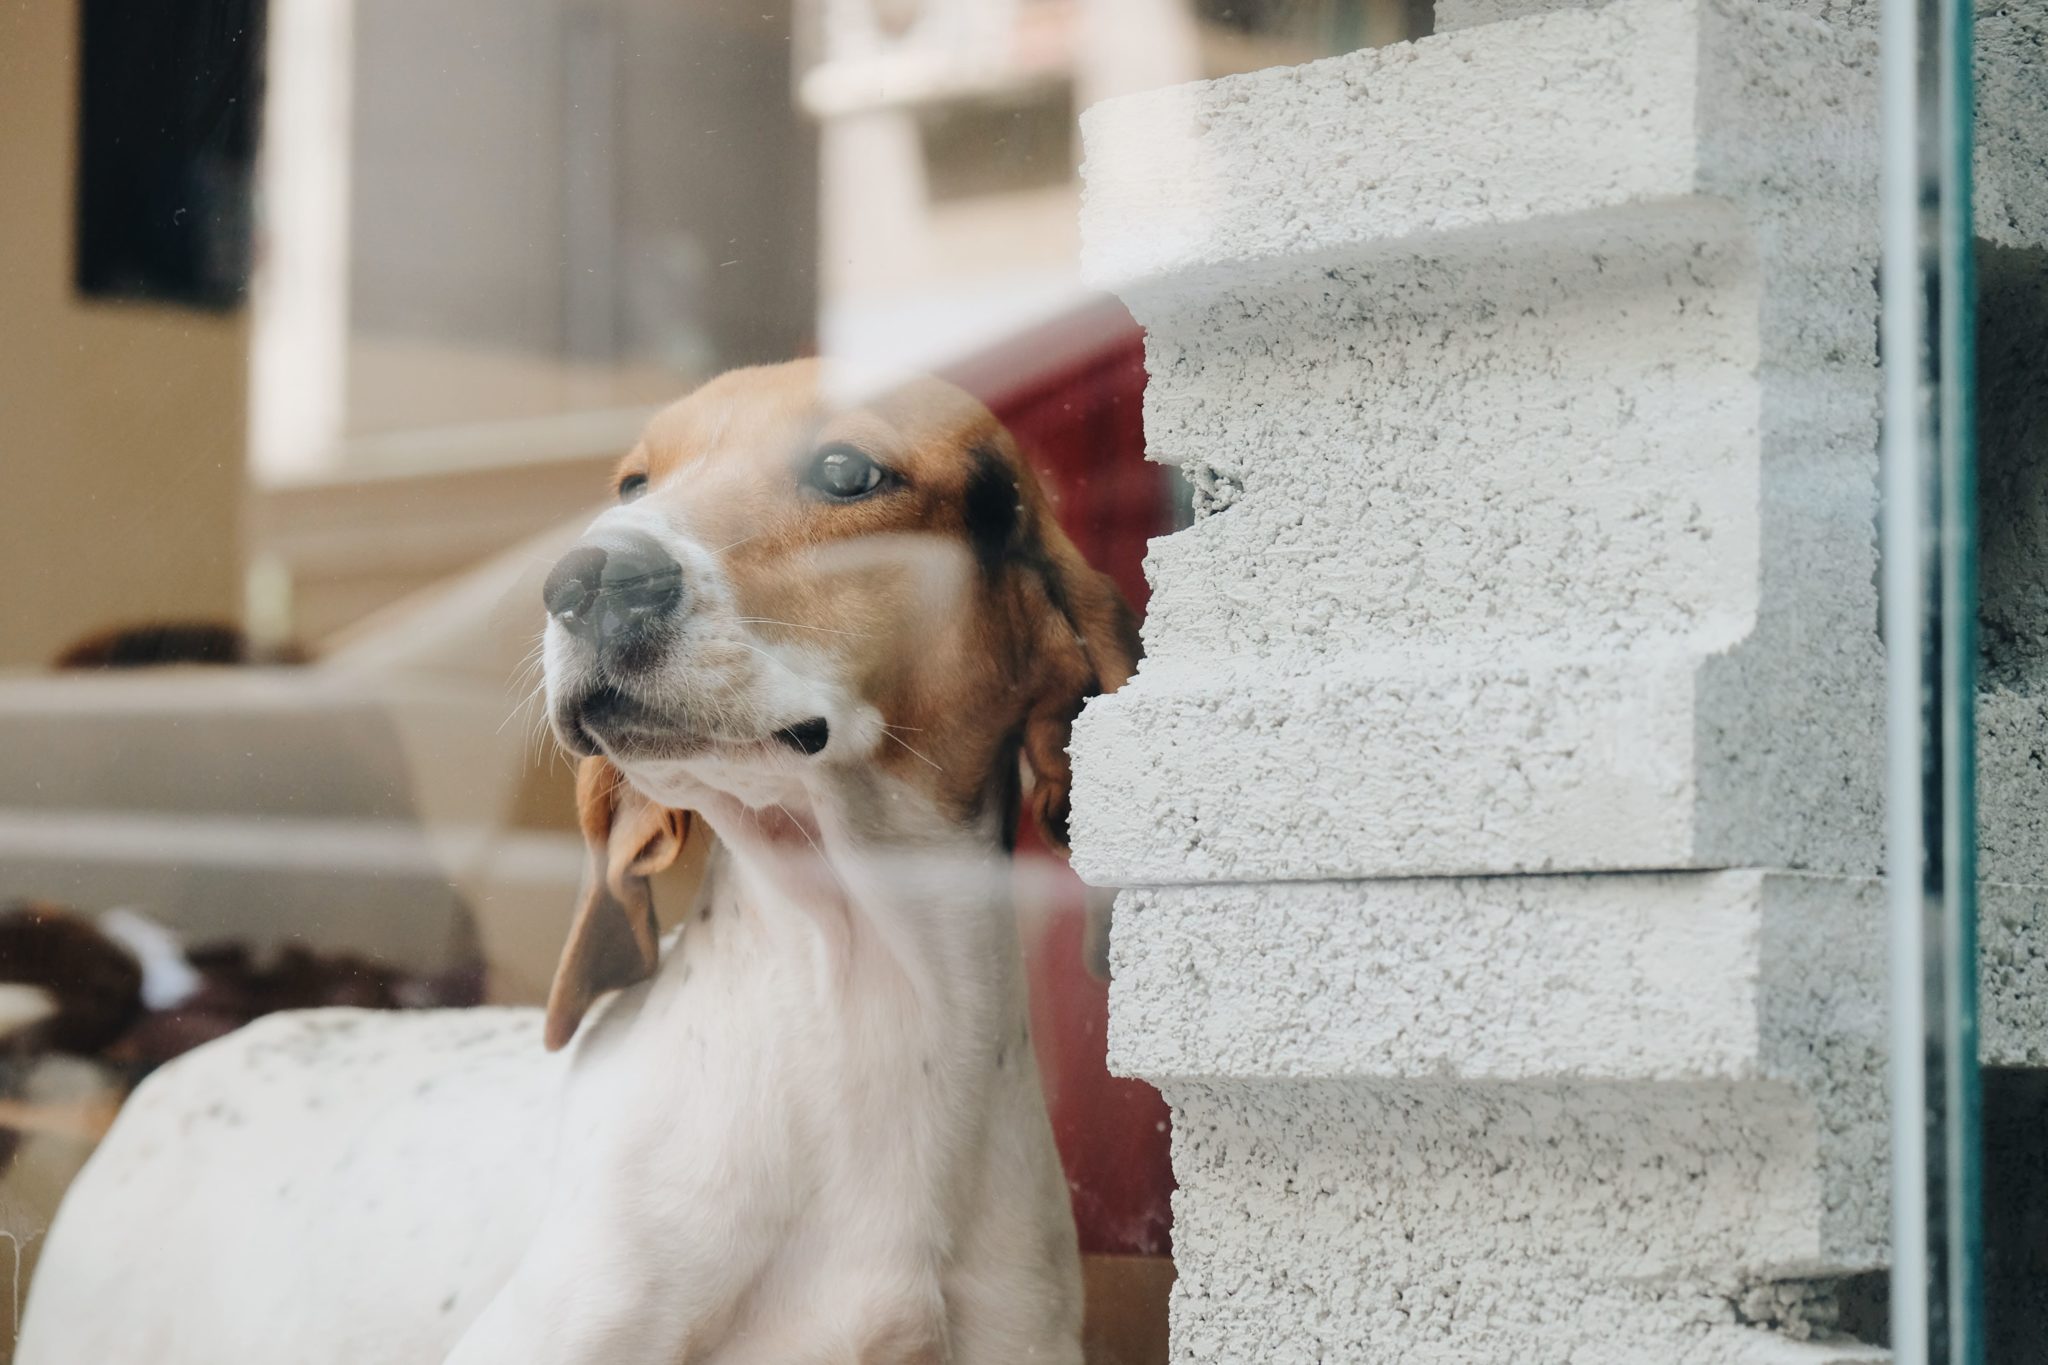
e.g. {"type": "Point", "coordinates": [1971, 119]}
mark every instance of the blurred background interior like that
{"type": "Point", "coordinates": [320, 323]}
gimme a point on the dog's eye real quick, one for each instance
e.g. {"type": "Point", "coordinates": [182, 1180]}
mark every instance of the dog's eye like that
{"type": "Point", "coordinates": [845, 473]}
{"type": "Point", "coordinates": [632, 486]}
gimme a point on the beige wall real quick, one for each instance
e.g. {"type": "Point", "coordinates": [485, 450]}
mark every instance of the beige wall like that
{"type": "Point", "coordinates": [121, 425]}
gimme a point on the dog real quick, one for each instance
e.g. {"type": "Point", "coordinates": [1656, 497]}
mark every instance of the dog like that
{"type": "Point", "coordinates": [843, 643]}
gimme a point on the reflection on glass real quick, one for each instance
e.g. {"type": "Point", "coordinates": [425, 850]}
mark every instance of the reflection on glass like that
{"type": "Point", "coordinates": [1931, 614]}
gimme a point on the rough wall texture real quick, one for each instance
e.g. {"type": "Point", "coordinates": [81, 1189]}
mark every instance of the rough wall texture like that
{"type": "Point", "coordinates": [1526, 376]}
{"type": "Point", "coordinates": [1535, 369]}
{"type": "Point", "coordinates": [1582, 352]}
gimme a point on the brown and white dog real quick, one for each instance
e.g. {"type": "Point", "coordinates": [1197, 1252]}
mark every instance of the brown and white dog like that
{"type": "Point", "coordinates": [849, 642]}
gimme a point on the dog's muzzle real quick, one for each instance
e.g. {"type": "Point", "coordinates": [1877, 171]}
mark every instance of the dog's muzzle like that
{"type": "Point", "coordinates": [623, 599]}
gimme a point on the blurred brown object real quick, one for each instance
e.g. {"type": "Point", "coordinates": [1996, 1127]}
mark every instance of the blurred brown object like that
{"type": "Point", "coordinates": [235, 991]}
{"type": "Point", "coordinates": [157, 643]}
{"type": "Point", "coordinates": [1124, 1322]}
{"type": "Point", "coordinates": [87, 1120]}
{"type": "Point", "coordinates": [95, 992]}
{"type": "Point", "coordinates": [96, 984]}
{"type": "Point", "coordinates": [96, 987]}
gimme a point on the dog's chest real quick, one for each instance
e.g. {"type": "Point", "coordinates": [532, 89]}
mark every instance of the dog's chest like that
{"type": "Point", "coordinates": [809, 1054]}
{"type": "Point", "coordinates": [827, 1103]}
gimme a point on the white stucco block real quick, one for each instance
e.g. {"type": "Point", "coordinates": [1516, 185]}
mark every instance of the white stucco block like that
{"type": "Point", "coordinates": [1760, 993]}
{"type": "Point", "coordinates": [1532, 535]}
{"type": "Point", "coordinates": [1547, 557]}
{"type": "Point", "coordinates": [1555, 115]}
{"type": "Point", "coordinates": [1527, 381]}
{"type": "Point", "coordinates": [1551, 447]}
{"type": "Point", "coordinates": [1648, 978]}
{"type": "Point", "coordinates": [2011, 95]}
{"type": "Point", "coordinates": [1493, 566]}
{"type": "Point", "coordinates": [1511, 1225]}
{"type": "Point", "coordinates": [1237, 774]}
{"type": "Point", "coordinates": [1452, 15]}
{"type": "Point", "coordinates": [2011, 164]}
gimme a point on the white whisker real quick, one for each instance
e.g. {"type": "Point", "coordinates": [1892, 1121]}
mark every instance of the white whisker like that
{"type": "Point", "coordinates": [906, 744]}
{"type": "Point", "coordinates": [519, 708]}
{"type": "Point", "coordinates": [797, 625]}
{"type": "Point", "coordinates": [736, 544]}
{"type": "Point", "coordinates": [769, 657]}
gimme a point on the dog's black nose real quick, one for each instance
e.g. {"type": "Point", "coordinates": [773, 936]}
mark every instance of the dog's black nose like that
{"type": "Point", "coordinates": [615, 589]}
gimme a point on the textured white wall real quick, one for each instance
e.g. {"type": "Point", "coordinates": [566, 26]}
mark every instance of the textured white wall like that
{"type": "Point", "coordinates": [1535, 366]}
{"type": "Point", "coordinates": [1526, 375]}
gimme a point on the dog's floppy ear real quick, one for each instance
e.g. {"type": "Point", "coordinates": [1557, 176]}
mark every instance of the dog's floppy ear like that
{"type": "Point", "coordinates": [1088, 644]}
{"type": "Point", "coordinates": [613, 939]}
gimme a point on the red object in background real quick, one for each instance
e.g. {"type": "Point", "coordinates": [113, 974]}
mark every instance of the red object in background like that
{"type": "Point", "coordinates": [1072, 393]}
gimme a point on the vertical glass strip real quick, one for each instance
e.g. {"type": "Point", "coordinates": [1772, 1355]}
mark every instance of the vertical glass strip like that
{"type": "Point", "coordinates": [1929, 534]}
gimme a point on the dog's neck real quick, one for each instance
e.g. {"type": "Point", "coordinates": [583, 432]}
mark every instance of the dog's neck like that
{"type": "Point", "coordinates": [886, 893]}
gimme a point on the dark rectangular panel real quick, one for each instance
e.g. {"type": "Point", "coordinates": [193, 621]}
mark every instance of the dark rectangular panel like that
{"type": "Point", "coordinates": [167, 127]}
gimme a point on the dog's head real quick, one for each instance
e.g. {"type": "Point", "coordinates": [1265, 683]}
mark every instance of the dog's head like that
{"type": "Point", "coordinates": [795, 596]}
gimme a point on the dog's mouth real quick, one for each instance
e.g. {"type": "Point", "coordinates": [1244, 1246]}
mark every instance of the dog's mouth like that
{"type": "Point", "coordinates": [599, 719]}
{"type": "Point", "coordinates": [609, 720]}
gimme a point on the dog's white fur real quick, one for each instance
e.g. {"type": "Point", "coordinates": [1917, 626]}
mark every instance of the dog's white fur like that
{"type": "Point", "coordinates": [816, 1134]}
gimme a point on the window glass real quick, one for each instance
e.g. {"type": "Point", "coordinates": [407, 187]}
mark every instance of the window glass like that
{"type": "Point", "coordinates": [967, 680]}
